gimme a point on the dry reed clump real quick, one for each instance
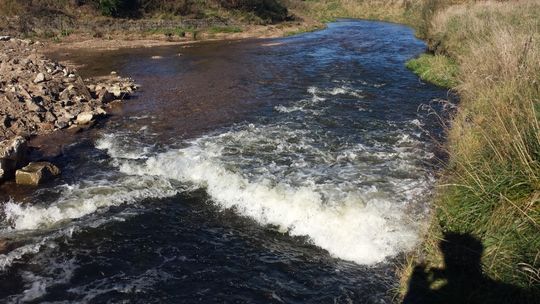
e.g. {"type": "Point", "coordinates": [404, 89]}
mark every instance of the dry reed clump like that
{"type": "Point", "coordinates": [9, 7]}
{"type": "Point", "coordinates": [492, 188]}
{"type": "Point", "coordinates": [325, 10]}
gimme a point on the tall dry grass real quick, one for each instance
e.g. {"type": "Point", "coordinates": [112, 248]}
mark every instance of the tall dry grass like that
{"type": "Point", "coordinates": [492, 183]}
{"type": "Point", "coordinates": [416, 13]}
{"type": "Point", "coordinates": [326, 10]}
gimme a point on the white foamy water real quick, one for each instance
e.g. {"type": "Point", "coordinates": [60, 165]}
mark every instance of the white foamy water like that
{"type": "Point", "coordinates": [364, 227]}
{"type": "Point", "coordinates": [348, 194]}
{"type": "Point", "coordinates": [350, 199]}
{"type": "Point", "coordinates": [78, 201]}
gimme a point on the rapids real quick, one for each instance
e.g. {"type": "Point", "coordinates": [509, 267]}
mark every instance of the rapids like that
{"type": "Point", "coordinates": [286, 171]}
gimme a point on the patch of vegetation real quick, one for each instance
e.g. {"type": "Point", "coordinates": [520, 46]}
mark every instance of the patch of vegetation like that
{"type": "Point", "coordinates": [437, 69]}
{"type": "Point", "coordinates": [490, 189]}
{"type": "Point", "coordinates": [304, 29]}
{"type": "Point", "coordinates": [270, 10]}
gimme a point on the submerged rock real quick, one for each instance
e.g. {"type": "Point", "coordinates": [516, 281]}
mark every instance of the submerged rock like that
{"type": "Point", "coordinates": [36, 173]}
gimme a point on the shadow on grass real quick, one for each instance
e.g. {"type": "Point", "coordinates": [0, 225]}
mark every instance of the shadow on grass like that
{"type": "Point", "coordinates": [462, 280]}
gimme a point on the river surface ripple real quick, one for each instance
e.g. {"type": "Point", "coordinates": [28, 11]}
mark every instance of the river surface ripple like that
{"type": "Point", "coordinates": [293, 170]}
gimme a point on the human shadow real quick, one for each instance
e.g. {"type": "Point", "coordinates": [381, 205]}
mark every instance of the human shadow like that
{"type": "Point", "coordinates": [461, 280]}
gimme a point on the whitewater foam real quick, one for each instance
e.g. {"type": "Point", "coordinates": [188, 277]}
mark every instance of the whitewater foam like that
{"type": "Point", "coordinates": [77, 201]}
{"type": "Point", "coordinates": [350, 198]}
{"type": "Point", "coordinates": [351, 221]}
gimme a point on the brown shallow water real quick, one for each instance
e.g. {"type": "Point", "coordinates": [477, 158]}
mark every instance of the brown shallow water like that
{"type": "Point", "coordinates": [189, 89]}
{"type": "Point", "coordinates": [291, 170]}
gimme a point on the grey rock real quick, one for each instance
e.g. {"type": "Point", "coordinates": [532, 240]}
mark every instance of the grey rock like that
{"type": "Point", "coordinates": [39, 78]}
{"type": "Point", "coordinates": [36, 173]}
{"type": "Point", "coordinates": [4, 121]}
{"type": "Point", "coordinates": [50, 117]}
{"type": "Point", "coordinates": [104, 96]}
{"type": "Point", "coordinates": [14, 148]}
{"type": "Point", "coordinates": [61, 124]}
{"type": "Point", "coordinates": [84, 118]}
{"type": "Point", "coordinates": [12, 155]}
{"type": "Point", "coordinates": [32, 106]}
{"type": "Point", "coordinates": [116, 91]}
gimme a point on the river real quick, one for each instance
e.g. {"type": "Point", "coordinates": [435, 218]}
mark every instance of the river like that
{"type": "Point", "coordinates": [291, 170]}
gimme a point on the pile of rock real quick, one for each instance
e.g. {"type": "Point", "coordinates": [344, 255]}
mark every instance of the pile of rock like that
{"type": "Point", "coordinates": [39, 96]}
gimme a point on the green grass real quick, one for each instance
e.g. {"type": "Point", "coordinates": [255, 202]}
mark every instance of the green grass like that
{"type": "Point", "coordinates": [437, 69]}
{"type": "Point", "coordinates": [303, 30]}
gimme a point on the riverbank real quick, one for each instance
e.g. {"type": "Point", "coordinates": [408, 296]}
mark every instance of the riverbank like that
{"type": "Point", "coordinates": [119, 24]}
{"type": "Point", "coordinates": [490, 189]}
{"type": "Point", "coordinates": [39, 96]}
{"type": "Point", "coordinates": [487, 206]}
{"type": "Point", "coordinates": [138, 40]}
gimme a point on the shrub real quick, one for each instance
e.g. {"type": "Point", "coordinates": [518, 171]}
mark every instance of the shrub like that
{"type": "Point", "coordinates": [119, 8]}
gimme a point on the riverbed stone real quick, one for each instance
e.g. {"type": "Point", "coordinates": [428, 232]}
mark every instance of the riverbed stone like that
{"type": "Point", "coordinates": [84, 118]}
{"type": "Point", "coordinates": [39, 78]}
{"type": "Point", "coordinates": [12, 156]}
{"type": "Point", "coordinates": [14, 149]}
{"type": "Point", "coordinates": [36, 173]}
{"type": "Point", "coordinates": [116, 91]}
{"type": "Point", "coordinates": [104, 96]}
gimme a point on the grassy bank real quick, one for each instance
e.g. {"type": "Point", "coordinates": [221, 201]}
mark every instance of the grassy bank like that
{"type": "Point", "coordinates": [437, 69]}
{"type": "Point", "coordinates": [491, 187]}
{"type": "Point", "coordinates": [137, 19]}
{"type": "Point", "coordinates": [487, 206]}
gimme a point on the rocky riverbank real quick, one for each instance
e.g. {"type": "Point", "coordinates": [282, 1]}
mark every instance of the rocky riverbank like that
{"type": "Point", "coordinates": [39, 96]}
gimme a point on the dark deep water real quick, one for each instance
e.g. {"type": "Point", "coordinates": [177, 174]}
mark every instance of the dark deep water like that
{"type": "Point", "coordinates": [292, 170]}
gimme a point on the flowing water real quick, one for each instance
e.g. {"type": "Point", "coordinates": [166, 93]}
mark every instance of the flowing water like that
{"type": "Point", "coordinates": [292, 170]}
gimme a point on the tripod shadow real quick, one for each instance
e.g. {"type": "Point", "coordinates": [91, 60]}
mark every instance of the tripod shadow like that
{"type": "Point", "coordinates": [461, 280]}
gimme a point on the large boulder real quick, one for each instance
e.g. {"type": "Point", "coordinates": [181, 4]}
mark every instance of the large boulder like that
{"type": "Point", "coordinates": [36, 173]}
{"type": "Point", "coordinates": [12, 156]}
